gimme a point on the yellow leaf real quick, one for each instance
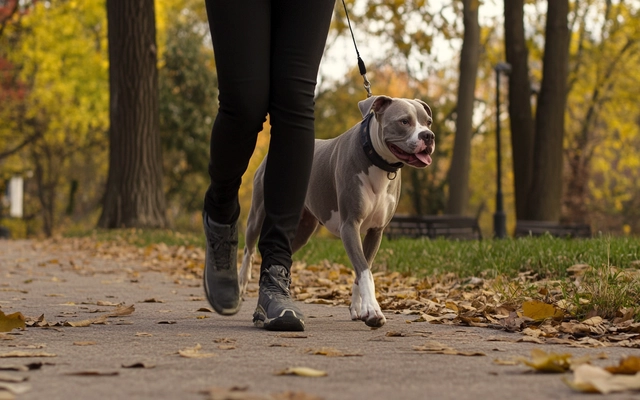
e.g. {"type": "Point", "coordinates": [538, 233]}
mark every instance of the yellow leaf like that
{"type": "Point", "coordinates": [547, 362]}
{"type": "Point", "coordinates": [628, 366]}
{"type": "Point", "coordinates": [538, 310]}
{"type": "Point", "coordinates": [303, 371]}
{"type": "Point", "coordinates": [194, 352]}
{"type": "Point", "coordinates": [11, 321]}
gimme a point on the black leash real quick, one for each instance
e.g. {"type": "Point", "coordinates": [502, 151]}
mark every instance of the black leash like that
{"type": "Point", "coordinates": [361, 66]}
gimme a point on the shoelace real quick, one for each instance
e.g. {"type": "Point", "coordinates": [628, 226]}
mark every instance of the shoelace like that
{"type": "Point", "coordinates": [221, 247]}
{"type": "Point", "coordinates": [277, 284]}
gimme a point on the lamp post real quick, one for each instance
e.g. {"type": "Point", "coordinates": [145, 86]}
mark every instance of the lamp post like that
{"type": "Point", "coordinates": [499, 218]}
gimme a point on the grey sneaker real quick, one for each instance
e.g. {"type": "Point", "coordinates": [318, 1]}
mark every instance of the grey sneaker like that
{"type": "Point", "coordinates": [276, 311]}
{"type": "Point", "coordinates": [220, 266]}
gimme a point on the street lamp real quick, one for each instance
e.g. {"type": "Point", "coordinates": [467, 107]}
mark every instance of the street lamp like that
{"type": "Point", "coordinates": [499, 218]}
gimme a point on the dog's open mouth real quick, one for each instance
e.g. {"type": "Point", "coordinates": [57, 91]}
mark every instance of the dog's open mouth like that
{"type": "Point", "coordinates": [418, 160]}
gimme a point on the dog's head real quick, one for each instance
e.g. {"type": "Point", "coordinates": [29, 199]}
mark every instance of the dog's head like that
{"type": "Point", "coordinates": [406, 128]}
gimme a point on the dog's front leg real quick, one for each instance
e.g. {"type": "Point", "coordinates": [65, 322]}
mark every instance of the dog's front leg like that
{"type": "Point", "coordinates": [364, 305]}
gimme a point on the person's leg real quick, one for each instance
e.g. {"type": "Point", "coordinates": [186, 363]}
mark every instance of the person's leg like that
{"type": "Point", "coordinates": [240, 33]}
{"type": "Point", "coordinates": [298, 36]}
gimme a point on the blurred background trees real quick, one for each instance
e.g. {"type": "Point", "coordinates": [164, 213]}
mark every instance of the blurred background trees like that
{"type": "Point", "coordinates": [571, 96]}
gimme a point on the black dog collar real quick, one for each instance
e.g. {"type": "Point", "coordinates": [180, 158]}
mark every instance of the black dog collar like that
{"type": "Point", "coordinates": [374, 157]}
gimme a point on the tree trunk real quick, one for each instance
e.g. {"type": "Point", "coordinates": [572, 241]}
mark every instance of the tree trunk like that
{"type": "Point", "coordinates": [134, 194]}
{"type": "Point", "coordinates": [546, 185]}
{"type": "Point", "coordinates": [461, 159]}
{"type": "Point", "coordinates": [520, 114]}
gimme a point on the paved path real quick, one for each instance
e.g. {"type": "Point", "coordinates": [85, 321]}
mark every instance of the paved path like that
{"type": "Point", "coordinates": [36, 282]}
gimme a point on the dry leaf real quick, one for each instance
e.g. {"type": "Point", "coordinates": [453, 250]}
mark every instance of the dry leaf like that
{"type": "Point", "coordinates": [87, 343]}
{"type": "Point", "coordinates": [224, 340]}
{"type": "Point", "coordinates": [432, 347]}
{"type": "Point", "coordinates": [14, 388]}
{"type": "Point", "coordinates": [226, 347]}
{"type": "Point", "coordinates": [303, 371]}
{"type": "Point", "coordinates": [143, 334]}
{"type": "Point", "coordinates": [204, 309]}
{"type": "Point", "coordinates": [547, 362]}
{"type": "Point", "coordinates": [93, 373]}
{"type": "Point", "coordinates": [12, 378]}
{"type": "Point", "coordinates": [395, 334]}
{"type": "Point", "coordinates": [331, 352]}
{"type": "Point", "coordinates": [167, 322]}
{"type": "Point", "coordinates": [539, 310]}
{"type": "Point", "coordinates": [628, 366]}
{"type": "Point", "coordinates": [153, 300]}
{"type": "Point", "coordinates": [24, 354]}
{"type": "Point", "coordinates": [139, 365]}
{"type": "Point", "coordinates": [194, 352]}
{"type": "Point", "coordinates": [590, 379]}
{"type": "Point", "coordinates": [11, 322]}
{"type": "Point", "coordinates": [87, 322]}
{"type": "Point", "coordinates": [293, 335]}
{"type": "Point", "coordinates": [505, 362]}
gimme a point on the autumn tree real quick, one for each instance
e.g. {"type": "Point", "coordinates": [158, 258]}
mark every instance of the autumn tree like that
{"type": "Point", "coordinates": [461, 160]}
{"type": "Point", "coordinates": [134, 195]}
{"type": "Point", "coordinates": [520, 113]}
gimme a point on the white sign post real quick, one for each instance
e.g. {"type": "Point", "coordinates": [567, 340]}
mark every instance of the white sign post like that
{"type": "Point", "coordinates": [16, 196]}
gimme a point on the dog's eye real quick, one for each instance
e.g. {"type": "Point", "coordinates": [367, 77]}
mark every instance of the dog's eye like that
{"type": "Point", "coordinates": [404, 121]}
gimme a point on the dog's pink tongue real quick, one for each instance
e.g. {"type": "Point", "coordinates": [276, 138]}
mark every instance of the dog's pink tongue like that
{"type": "Point", "coordinates": [424, 157]}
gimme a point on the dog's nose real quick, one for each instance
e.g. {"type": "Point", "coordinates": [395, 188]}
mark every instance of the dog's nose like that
{"type": "Point", "coordinates": [427, 136]}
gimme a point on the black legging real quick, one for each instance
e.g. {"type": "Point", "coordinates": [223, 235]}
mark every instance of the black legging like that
{"type": "Point", "coordinates": [267, 56]}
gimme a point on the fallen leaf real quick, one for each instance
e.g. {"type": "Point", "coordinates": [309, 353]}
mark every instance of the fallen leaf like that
{"type": "Point", "coordinates": [547, 362]}
{"type": "Point", "coordinates": [14, 388]}
{"type": "Point", "coordinates": [293, 335]}
{"type": "Point", "coordinates": [205, 309]}
{"type": "Point", "coordinates": [505, 362]}
{"type": "Point", "coordinates": [432, 347]}
{"type": "Point", "coordinates": [93, 373]}
{"type": "Point", "coordinates": [590, 379]}
{"type": "Point", "coordinates": [224, 340]}
{"type": "Point", "coordinates": [143, 334]}
{"type": "Point", "coordinates": [87, 343]}
{"type": "Point", "coordinates": [628, 366]}
{"type": "Point", "coordinates": [139, 365]}
{"type": "Point", "coordinates": [122, 311]}
{"type": "Point", "coordinates": [194, 352]}
{"type": "Point", "coordinates": [395, 334]}
{"type": "Point", "coordinates": [539, 310]}
{"type": "Point", "coordinates": [153, 300]}
{"type": "Point", "coordinates": [87, 322]}
{"type": "Point", "coordinates": [226, 347]}
{"type": "Point", "coordinates": [331, 352]}
{"type": "Point", "coordinates": [303, 371]}
{"type": "Point", "coordinates": [21, 354]}
{"type": "Point", "coordinates": [11, 322]}
{"type": "Point", "coordinates": [167, 322]}
{"type": "Point", "coordinates": [12, 378]}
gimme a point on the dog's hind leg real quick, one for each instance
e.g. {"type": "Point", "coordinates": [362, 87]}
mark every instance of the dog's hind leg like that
{"type": "Point", "coordinates": [308, 224]}
{"type": "Point", "coordinates": [254, 225]}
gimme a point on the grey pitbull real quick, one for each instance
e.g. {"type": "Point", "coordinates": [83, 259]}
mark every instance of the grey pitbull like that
{"type": "Point", "coordinates": [354, 189]}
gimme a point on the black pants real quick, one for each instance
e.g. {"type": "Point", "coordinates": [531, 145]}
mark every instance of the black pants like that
{"type": "Point", "coordinates": [267, 57]}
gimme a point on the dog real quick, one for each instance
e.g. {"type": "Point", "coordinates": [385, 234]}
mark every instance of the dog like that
{"type": "Point", "coordinates": [354, 190]}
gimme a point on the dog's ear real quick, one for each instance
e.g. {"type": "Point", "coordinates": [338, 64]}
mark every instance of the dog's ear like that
{"type": "Point", "coordinates": [376, 103]}
{"type": "Point", "coordinates": [426, 107]}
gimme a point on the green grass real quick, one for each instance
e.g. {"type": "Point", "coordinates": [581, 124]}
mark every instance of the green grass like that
{"type": "Point", "coordinates": [546, 256]}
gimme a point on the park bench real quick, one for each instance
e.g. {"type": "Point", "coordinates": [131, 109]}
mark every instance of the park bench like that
{"type": "Point", "coordinates": [539, 228]}
{"type": "Point", "coordinates": [433, 226]}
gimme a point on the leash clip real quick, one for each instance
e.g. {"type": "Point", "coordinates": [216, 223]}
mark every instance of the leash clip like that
{"type": "Point", "coordinates": [367, 85]}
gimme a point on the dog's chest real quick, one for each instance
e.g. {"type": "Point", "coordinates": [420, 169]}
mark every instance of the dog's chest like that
{"type": "Point", "coordinates": [378, 199]}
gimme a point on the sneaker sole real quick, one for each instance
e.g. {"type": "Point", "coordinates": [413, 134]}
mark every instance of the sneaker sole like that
{"type": "Point", "coordinates": [287, 321]}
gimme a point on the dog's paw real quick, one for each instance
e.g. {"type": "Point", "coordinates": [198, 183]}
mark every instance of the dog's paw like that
{"type": "Point", "coordinates": [373, 317]}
